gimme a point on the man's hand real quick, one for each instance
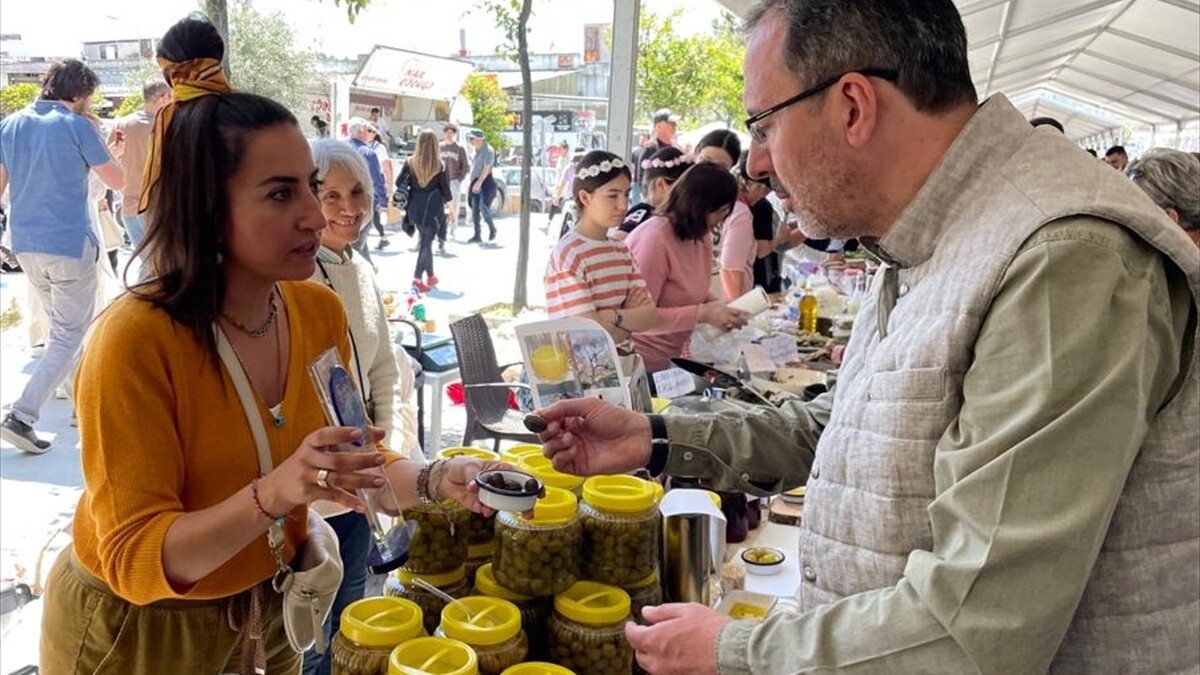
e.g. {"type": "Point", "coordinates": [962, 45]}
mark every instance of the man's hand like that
{"type": "Point", "coordinates": [587, 436]}
{"type": "Point", "coordinates": [680, 640]}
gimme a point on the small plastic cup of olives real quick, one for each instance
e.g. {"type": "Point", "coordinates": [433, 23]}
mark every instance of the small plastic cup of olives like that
{"type": "Point", "coordinates": [506, 490]}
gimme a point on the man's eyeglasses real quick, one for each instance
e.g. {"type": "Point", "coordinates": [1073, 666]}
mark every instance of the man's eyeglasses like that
{"type": "Point", "coordinates": [889, 74]}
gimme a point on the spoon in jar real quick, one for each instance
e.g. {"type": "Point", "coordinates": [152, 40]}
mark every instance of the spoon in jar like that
{"type": "Point", "coordinates": [466, 609]}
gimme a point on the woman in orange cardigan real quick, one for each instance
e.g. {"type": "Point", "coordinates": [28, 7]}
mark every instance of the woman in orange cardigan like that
{"type": "Point", "coordinates": [170, 567]}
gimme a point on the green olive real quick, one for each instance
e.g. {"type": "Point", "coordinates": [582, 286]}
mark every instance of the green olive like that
{"type": "Point", "coordinates": [619, 549]}
{"type": "Point", "coordinates": [589, 650]}
{"type": "Point", "coordinates": [536, 560]}
{"type": "Point", "coordinates": [440, 541]}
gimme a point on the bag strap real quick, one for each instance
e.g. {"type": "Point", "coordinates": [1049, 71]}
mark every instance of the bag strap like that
{"type": "Point", "coordinates": [275, 535]}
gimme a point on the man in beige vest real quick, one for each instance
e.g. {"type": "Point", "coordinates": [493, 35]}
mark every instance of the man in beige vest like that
{"type": "Point", "coordinates": [134, 130]}
{"type": "Point", "coordinates": [1006, 478]}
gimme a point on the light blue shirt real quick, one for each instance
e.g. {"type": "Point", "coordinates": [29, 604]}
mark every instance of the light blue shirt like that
{"type": "Point", "coordinates": [48, 151]}
{"type": "Point", "coordinates": [483, 156]}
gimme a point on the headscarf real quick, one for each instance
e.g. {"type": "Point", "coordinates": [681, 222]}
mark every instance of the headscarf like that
{"type": "Point", "coordinates": [190, 80]}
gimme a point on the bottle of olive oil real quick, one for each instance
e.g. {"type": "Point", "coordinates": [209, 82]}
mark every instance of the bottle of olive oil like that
{"type": "Point", "coordinates": [808, 309]}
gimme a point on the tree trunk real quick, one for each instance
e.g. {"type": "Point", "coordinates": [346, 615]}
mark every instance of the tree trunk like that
{"type": "Point", "coordinates": [218, 14]}
{"type": "Point", "coordinates": [519, 290]}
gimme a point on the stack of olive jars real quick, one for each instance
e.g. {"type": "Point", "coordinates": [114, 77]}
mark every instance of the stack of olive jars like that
{"type": "Point", "coordinates": [480, 529]}
{"type": "Point", "coordinates": [403, 584]}
{"type": "Point", "coordinates": [370, 629]}
{"type": "Point", "coordinates": [587, 630]}
{"type": "Point", "coordinates": [438, 554]}
{"type": "Point", "coordinates": [491, 627]}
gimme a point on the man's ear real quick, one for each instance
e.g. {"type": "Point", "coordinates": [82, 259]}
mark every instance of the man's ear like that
{"type": "Point", "coordinates": [859, 102]}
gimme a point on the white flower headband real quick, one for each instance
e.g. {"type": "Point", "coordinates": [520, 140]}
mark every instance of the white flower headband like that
{"type": "Point", "coordinates": [603, 167]}
{"type": "Point", "coordinates": [669, 164]}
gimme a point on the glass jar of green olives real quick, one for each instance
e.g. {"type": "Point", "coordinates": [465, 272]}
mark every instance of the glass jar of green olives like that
{"type": "Point", "coordinates": [480, 529]}
{"type": "Point", "coordinates": [587, 630]}
{"type": "Point", "coordinates": [490, 626]}
{"type": "Point", "coordinates": [370, 629]}
{"type": "Point", "coordinates": [645, 593]}
{"type": "Point", "coordinates": [540, 555]}
{"type": "Point", "coordinates": [433, 656]}
{"type": "Point", "coordinates": [534, 611]}
{"type": "Point", "coordinates": [402, 584]}
{"type": "Point", "coordinates": [440, 541]}
{"type": "Point", "coordinates": [620, 529]}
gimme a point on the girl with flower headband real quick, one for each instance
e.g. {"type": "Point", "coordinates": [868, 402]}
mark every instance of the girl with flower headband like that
{"type": "Point", "coordinates": [589, 275]}
{"type": "Point", "coordinates": [659, 173]}
{"type": "Point", "coordinates": [170, 569]}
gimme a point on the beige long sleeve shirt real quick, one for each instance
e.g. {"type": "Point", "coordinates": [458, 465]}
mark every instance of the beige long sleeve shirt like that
{"type": "Point", "coordinates": [1079, 350]}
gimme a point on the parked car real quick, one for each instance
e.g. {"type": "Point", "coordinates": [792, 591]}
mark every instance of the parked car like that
{"type": "Point", "coordinates": [541, 185]}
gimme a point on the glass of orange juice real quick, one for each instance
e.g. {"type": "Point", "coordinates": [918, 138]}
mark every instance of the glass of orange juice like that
{"type": "Point", "coordinates": [549, 362]}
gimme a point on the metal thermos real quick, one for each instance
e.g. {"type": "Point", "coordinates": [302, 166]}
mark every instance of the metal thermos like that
{"type": "Point", "coordinates": [687, 552]}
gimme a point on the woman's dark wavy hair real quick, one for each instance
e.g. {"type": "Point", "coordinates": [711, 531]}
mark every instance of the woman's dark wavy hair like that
{"type": "Point", "coordinates": [701, 190]}
{"type": "Point", "coordinates": [189, 206]}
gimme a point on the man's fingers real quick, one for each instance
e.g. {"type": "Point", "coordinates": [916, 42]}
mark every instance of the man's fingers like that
{"type": "Point", "coordinates": [658, 613]}
{"type": "Point", "coordinates": [575, 407]}
{"type": "Point", "coordinates": [638, 636]}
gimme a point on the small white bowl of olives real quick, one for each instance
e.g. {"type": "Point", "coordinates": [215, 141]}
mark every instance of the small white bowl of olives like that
{"type": "Point", "coordinates": [507, 490]}
{"type": "Point", "coordinates": [763, 560]}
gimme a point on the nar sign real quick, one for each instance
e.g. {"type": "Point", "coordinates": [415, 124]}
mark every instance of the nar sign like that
{"type": "Point", "coordinates": [405, 73]}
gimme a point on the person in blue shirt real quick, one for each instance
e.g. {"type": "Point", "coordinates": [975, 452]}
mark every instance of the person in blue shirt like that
{"type": "Point", "coordinates": [46, 151]}
{"type": "Point", "coordinates": [483, 186]}
{"type": "Point", "coordinates": [362, 133]}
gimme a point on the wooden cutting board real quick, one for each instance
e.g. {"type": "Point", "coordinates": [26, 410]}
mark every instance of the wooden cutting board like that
{"type": "Point", "coordinates": [784, 513]}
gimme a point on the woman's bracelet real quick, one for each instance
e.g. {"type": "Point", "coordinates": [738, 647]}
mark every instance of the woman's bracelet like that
{"type": "Point", "coordinates": [423, 476]}
{"type": "Point", "coordinates": [278, 520]}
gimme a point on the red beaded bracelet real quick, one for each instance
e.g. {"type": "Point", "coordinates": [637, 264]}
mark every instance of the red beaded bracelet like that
{"type": "Point", "coordinates": [279, 520]}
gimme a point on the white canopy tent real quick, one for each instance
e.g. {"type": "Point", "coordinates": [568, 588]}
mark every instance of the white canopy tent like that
{"type": "Point", "coordinates": [1095, 65]}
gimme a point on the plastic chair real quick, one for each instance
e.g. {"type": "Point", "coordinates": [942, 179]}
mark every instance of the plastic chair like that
{"type": "Point", "coordinates": [484, 391]}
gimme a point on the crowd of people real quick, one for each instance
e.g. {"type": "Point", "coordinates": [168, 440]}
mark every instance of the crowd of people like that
{"type": "Point", "coordinates": [1006, 477]}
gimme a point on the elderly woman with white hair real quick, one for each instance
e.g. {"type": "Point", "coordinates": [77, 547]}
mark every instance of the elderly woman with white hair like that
{"type": "Point", "coordinates": [1171, 178]}
{"type": "Point", "coordinates": [345, 194]}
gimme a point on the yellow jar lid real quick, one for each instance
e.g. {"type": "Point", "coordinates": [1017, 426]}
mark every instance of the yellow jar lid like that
{"type": "Point", "coordinates": [441, 579]}
{"type": "Point", "coordinates": [467, 451]}
{"type": "Point", "coordinates": [481, 620]}
{"type": "Point", "coordinates": [593, 604]}
{"type": "Point", "coordinates": [558, 506]}
{"type": "Point", "coordinates": [433, 656]}
{"type": "Point", "coordinates": [486, 584]}
{"type": "Point", "coordinates": [659, 491]}
{"type": "Point", "coordinates": [619, 494]}
{"type": "Point", "coordinates": [484, 550]}
{"type": "Point", "coordinates": [537, 668]}
{"type": "Point", "coordinates": [381, 622]}
{"type": "Point", "coordinates": [544, 470]}
{"type": "Point", "coordinates": [652, 578]}
{"type": "Point", "coordinates": [514, 454]}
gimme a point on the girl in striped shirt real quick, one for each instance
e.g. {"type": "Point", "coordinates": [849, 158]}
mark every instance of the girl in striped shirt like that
{"type": "Point", "coordinates": [588, 275]}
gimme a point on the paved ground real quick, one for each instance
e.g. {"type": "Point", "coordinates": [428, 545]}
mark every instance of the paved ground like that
{"type": "Point", "coordinates": [38, 493]}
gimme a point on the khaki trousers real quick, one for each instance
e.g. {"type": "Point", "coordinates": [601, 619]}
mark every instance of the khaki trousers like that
{"type": "Point", "coordinates": [87, 630]}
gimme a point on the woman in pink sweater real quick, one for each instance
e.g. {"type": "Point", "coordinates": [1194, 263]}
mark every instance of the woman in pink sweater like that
{"type": "Point", "coordinates": [675, 253]}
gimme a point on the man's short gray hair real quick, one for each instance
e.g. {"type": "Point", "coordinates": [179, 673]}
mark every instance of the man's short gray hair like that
{"type": "Point", "coordinates": [328, 153]}
{"type": "Point", "coordinates": [924, 40]}
{"type": "Point", "coordinates": [356, 124]}
{"type": "Point", "coordinates": [152, 89]}
{"type": "Point", "coordinates": [1171, 178]}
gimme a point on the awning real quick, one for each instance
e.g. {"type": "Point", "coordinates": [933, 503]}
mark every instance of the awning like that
{"type": "Point", "coordinates": [512, 78]}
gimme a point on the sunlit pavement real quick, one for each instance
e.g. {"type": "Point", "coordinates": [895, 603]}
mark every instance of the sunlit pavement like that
{"type": "Point", "coordinates": [38, 492]}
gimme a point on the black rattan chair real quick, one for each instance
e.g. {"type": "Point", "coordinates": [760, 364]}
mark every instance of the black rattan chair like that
{"type": "Point", "coordinates": [484, 391]}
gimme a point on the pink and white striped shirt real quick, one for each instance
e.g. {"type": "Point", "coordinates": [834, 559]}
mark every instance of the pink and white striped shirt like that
{"type": "Point", "coordinates": [584, 275]}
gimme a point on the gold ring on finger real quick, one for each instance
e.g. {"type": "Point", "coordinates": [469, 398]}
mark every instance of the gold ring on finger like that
{"type": "Point", "coordinates": [323, 479]}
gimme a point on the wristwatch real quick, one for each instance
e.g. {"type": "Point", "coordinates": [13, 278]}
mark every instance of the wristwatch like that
{"type": "Point", "coordinates": [660, 445]}
{"type": "Point", "coordinates": [618, 319]}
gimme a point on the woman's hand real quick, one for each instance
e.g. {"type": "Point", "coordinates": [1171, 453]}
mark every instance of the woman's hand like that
{"type": "Point", "coordinates": [722, 316]}
{"type": "Point", "coordinates": [456, 480]}
{"type": "Point", "coordinates": [297, 480]}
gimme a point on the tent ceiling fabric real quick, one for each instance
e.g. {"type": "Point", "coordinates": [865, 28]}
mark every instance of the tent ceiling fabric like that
{"type": "Point", "coordinates": [1094, 65]}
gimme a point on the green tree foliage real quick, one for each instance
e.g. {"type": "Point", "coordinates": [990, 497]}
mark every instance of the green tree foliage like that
{"type": "Point", "coordinates": [130, 105]}
{"type": "Point", "coordinates": [17, 96]}
{"type": "Point", "coordinates": [263, 58]}
{"type": "Point", "coordinates": [699, 77]}
{"type": "Point", "coordinates": [489, 105]}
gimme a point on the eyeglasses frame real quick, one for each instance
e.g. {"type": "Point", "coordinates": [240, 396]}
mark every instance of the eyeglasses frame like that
{"type": "Point", "coordinates": [889, 74]}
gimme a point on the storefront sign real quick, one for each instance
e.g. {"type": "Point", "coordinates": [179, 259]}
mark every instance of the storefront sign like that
{"type": "Point", "coordinates": [398, 71]}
